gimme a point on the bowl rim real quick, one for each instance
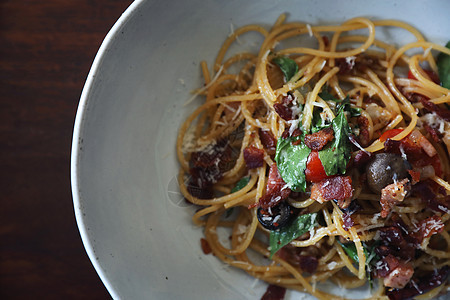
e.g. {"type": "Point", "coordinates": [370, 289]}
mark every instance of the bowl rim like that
{"type": "Point", "coordinates": [112, 34]}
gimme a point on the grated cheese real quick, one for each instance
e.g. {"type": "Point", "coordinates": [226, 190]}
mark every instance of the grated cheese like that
{"type": "Point", "coordinates": [309, 30]}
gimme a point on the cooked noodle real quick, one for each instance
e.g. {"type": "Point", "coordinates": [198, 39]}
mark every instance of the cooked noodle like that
{"type": "Point", "coordinates": [240, 105]}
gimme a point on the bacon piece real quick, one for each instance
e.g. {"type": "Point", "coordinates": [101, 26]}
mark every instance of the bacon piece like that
{"type": "Point", "coordinates": [424, 190]}
{"type": "Point", "coordinates": [428, 227]}
{"type": "Point", "coordinates": [253, 157]}
{"type": "Point", "coordinates": [443, 113]}
{"type": "Point", "coordinates": [386, 265]}
{"type": "Point", "coordinates": [335, 188]}
{"type": "Point", "coordinates": [417, 137]}
{"type": "Point", "coordinates": [411, 150]}
{"type": "Point", "coordinates": [297, 132]}
{"type": "Point", "coordinates": [284, 107]}
{"type": "Point", "coordinates": [364, 136]}
{"type": "Point", "coordinates": [419, 286]}
{"type": "Point", "coordinates": [205, 246]}
{"type": "Point", "coordinates": [393, 194]}
{"type": "Point", "coordinates": [274, 292]}
{"type": "Point", "coordinates": [397, 241]}
{"type": "Point", "coordinates": [415, 154]}
{"type": "Point", "coordinates": [205, 192]}
{"type": "Point", "coordinates": [433, 132]}
{"type": "Point", "coordinates": [394, 243]}
{"type": "Point", "coordinates": [361, 158]}
{"type": "Point", "coordinates": [319, 139]}
{"type": "Point", "coordinates": [400, 276]}
{"type": "Point", "coordinates": [304, 258]}
{"type": "Point", "coordinates": [347, 215]}
{"type": "Point", "coordinates": [276, 189]}
{"type": "Point", "coordinates": [208, 166]}
{"type": "Point", "coordinates": [268, 140]}
{"type": "Point", "coordinates": [347, 221]}
{"type": "Point", "coordinates": [308, 263]}
{"type": "Point", "coordinates": [415, 176]}
{"type": "Point", "coordinates": [395, 273]}
{"type": "Point", "coordinates": [345, 64]}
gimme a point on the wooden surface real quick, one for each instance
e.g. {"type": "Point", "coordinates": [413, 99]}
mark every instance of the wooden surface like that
{"type": "Point", "coordinates": [46, 50]}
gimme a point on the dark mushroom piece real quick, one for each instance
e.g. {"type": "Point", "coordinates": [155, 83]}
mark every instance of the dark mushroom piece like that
{"type": "Point", "coordinates": [384, 169]}
{"type": "Point", "coordinates": [276, 217]}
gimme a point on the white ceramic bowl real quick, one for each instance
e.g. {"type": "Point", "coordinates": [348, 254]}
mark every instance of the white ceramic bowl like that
{"type": "Point", "coordinates": [136, 229]}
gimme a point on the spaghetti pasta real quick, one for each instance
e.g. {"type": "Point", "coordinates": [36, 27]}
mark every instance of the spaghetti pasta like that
{"type": "Point", "coordinates": [327, 160]}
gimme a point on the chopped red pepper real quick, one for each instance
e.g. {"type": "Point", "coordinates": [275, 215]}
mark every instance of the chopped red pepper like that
{"type": "Point", "coordinates": [314, 169]}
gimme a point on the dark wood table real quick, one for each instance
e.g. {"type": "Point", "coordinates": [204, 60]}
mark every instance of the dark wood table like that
{"type": "Point", "coordinates": [46, 50]}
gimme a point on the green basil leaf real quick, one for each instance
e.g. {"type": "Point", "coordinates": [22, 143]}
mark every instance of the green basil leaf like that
{"type": "Point", "coordinates": [291, 162]}
{"type": "Point", "coordinates": [240, 184]}
{"type": "Point", "coordinates": [280, 238]}
{"type": "Point", "coordinates": [370, 254]}
{"type": "Point", "coordinates": [325, 95]}
{"type": "Point", "coordinates": [350, 249]}
{"type": "Point", "coordinates": [345, 105]}
{"type": "Point", "coordinates": [341, 104]}
{"type": "Point", "coordinates": [443, 64]}
{"type": "Point", "coordinates": [288, 66]}
{"type": "Point", "coordinates": [316, 123]}
{"type": "Point", "coordinates": [336, 155]}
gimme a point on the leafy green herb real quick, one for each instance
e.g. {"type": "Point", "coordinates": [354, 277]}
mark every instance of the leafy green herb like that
{"type": "Point", "coordinates": [350, 249]}
{"type": "Point", "coordinates": [325, 95]}
{"type": "Point", "coordinates": [443, 64]}
{"type": "Point", "coordinates": [291, 162]}
{"type": "Point", "coordinates": [336, 155]}
{"type": "Point", "coordinates": [288, 66]}
{"type": "Point", "coordinates": [369, 253]}
{"type": "Point", "coordinates": [316, 123]}
{"type": "Point", "coordinates": [345, 105]}
{"type": "Point", "coordinates": [340, 104]}
{"type": "Point", "coordinates": [240, 184]}
{"type": "Point", "coordinates": [280, 238]}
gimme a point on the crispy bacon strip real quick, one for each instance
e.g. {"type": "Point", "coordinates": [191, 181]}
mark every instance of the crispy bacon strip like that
{"type": "Point", "coordinates": [395, 243]}
{"type": "Point", "coordinates": [208, 166]}
{"type": "Point", "coordinates": [335, 188]}
{"type": "Point", "coordinates": [418, 286]}
{"type": "Point", "coordinates": [364, 136]}
{"type": "Point", "coordinates": [396, 273]}
{"type": "Point", "coordinates": [253, 157]}
{"type": "Point", "coordinates": [426, 193]}
{"type": "Point", "coordinates": [428, 227]}
{"type": "Point", "coordinates": [433, 132]}
{"type": "Point", "coordinates": [206, 248]}
{"type": "Point", "coordinates": [346, 64]}
{"type": "Point", "coordinates": [361, 158]}
{"type": "Point", "coordinates": [443, 113]}
{"type": "Point", "coordinates": [276, 189]}
{"type": "Point", "coordinates": [319, 139]}
{"type": "Point", "coordinates": [284, 107]}
{"type": "Point", "coordinates": [304, 258]}
{"type": "Point", "coordinates": [400, 276]}
{"type": "Point", "coordinates": [274, 292]}
{"type": "Point", "coordinates": [393, 194]}
{"type": "Point", "coordinates": [268, 140]}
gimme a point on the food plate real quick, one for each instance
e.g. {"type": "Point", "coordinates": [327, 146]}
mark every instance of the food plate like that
{"type": "Point", "coordinates": [134, 223]}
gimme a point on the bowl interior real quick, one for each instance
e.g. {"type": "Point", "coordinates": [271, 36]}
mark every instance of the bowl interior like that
{"type": "Point", "coordinates": [135, 225]}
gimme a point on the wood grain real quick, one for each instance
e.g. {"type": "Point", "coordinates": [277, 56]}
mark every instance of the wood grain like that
{"type": "Point", "coordinates": [46, 50]}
